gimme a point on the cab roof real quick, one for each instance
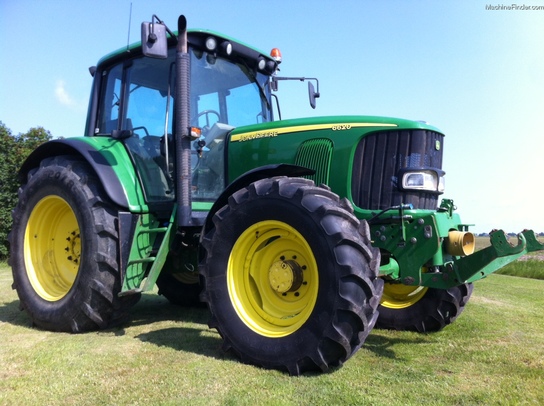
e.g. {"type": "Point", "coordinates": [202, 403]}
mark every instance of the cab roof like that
{"type": "Point", "coordinates": [195, 38]}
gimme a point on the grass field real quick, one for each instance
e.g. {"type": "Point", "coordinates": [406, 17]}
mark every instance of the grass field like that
{"type": "Point", "coordinates": [165, 355]}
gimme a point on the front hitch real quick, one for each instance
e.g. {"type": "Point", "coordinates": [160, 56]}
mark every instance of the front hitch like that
{"type": "Point", "coordinates": [532, 243]}
{"type": "Point", "coordinates": [500, 253]}
{"type": "Point", "coordinates": [436, 250]}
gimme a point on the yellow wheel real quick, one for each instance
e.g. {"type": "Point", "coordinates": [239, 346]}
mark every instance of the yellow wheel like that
{"type": "Point", "coordinates": [289, 276]}
{"type": "Point", "coordinates": [272, 278]}
{"type": "Point", "coordinates": [52, 248]}
{"type": "Point", "coordinates": [399, 296]}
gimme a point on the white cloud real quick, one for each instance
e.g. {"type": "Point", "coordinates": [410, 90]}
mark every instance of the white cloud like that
{"type": "Point", "coordinates": [64, 98]}
{"type": "Point", "coordinates": [62, 95]}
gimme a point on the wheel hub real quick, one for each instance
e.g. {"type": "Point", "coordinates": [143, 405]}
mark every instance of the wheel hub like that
{"type": "Point", "coordinates": [285, 276]}
{"type": "Point", "coordinates": [73, 248]}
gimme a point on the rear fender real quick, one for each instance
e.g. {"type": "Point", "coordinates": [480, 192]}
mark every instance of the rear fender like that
{"type": "Point", "coordinates": [108, 158]}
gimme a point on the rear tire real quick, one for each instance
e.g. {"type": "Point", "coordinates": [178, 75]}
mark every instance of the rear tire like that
{"type": "Point", "coordinates": [415, 308]}
{"type": "Point", "coordinates": [64, 249]}
{"type": "Point", "coordinates": [290, 277]}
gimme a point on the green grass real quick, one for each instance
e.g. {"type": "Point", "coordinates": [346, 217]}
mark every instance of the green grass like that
{"type": "Point", "coordinates": [528, 268]}
{"type": "Point", "coordinates": [492, 355]}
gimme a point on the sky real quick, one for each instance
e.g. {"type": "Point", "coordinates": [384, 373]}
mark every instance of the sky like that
{"type": "Point", "coordinates": [475, 73]}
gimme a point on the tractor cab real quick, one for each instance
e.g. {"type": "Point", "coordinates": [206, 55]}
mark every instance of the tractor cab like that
{"type": "Point", "coordinates": [134, 101]}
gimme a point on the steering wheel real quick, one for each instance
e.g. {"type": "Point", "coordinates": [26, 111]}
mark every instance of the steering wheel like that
{"type": "Point", "coordinates": [207, 114]}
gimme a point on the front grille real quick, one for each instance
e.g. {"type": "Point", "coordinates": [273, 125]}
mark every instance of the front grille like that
{"type": "Point", "coordinates": [378, 159]}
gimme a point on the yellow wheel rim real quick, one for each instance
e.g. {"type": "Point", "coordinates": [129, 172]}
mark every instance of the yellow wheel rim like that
{"type": "Point", "coordinates": [52, 248]}
{"type": "Point", "coordinates": [399, 296]}
{"type": "Point", "coordinates": [272, 279]}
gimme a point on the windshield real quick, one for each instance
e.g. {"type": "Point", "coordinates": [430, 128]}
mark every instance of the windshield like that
{"type": "Point", "coordinates": [137, 95]}
{"type": "Point", "coordinates": [229, 93]}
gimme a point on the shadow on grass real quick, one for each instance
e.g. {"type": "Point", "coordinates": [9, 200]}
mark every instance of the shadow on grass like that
{"type": "Point", "coordinates": [383, 346]}
{"type": "Point", "coordinates": [205, 341]}
{"type": "Point", "coordinates": [197, 338]}
{"type": "Point", "coordinates": [12, 314]}
{"type": "Point", "coordinates": [153, 308]}
{"type": "Point", "coordinates": [150, 309]}
{"type": "Point", "coordinates": [193, 340]}
{"type": "Point", "coordinates": [193, 336]}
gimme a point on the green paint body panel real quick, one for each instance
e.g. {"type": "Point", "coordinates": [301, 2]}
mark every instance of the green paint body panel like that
{"type": "Point", "coordinates": [279, 141]}
{"type": "Point", "coordinates": [414, 239]}
{"type": "Point", "coordinates": [115, 153]}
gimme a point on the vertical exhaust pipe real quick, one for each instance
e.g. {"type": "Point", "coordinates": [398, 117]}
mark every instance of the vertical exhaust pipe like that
{"type": "Point", "coordinates": [183, 141]}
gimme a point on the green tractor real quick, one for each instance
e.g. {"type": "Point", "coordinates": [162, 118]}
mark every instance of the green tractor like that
{"type": "Point", "coordinates": [299, 235]}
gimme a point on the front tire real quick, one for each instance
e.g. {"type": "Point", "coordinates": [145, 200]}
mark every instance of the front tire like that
{"type": "Point", "coordinates": [290, 277]}
{"type": "Point", "coordinates": [64, 249]}
{"type": "Point", "coordinates": [422, 309]}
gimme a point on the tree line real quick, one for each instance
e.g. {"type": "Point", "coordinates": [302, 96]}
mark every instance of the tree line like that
{"type": "Point", "coordinates": [14, 149]}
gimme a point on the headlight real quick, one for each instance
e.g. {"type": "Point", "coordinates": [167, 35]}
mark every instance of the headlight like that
{"type": "Point", "coordinates": [428, 180]}
{"type": "Point", "coordinates": [211, 44]}
{"type": "Point", "coordinates": [441, 184]}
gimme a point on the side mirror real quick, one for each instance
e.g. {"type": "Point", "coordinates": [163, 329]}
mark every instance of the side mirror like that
{"type": "Point", "coordinates": [154, 43]}
{"type": "Point", "coordinates": [312, 94]}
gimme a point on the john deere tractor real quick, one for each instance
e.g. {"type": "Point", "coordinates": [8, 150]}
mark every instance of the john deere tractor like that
{"type": "Point", "coordinates": [299, 235]}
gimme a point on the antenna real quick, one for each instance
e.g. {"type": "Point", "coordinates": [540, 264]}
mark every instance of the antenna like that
{"type": "Point", "coordinates": [129, 23]}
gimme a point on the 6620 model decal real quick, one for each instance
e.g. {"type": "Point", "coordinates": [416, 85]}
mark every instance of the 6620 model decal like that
{"type": "Point", "coordinates": [340, 127]}
{"type": "Point", "coordinates": [255, 135]}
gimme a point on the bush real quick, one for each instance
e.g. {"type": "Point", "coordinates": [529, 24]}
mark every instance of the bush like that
{"type": "Point", "coordinates": [14, 149]}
